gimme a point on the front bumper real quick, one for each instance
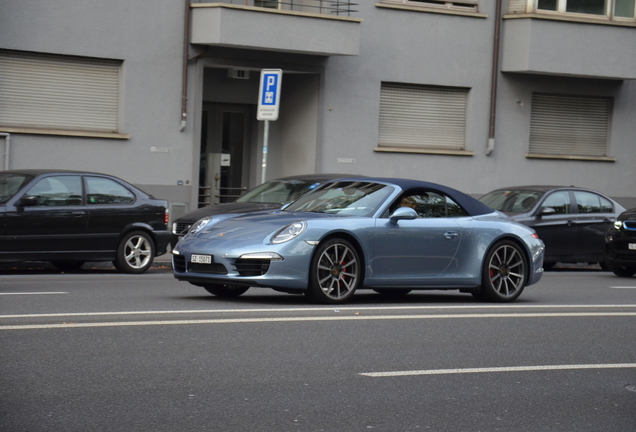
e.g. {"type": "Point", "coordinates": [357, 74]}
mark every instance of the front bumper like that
{"type": "Point", "coordinates": [289, 273]}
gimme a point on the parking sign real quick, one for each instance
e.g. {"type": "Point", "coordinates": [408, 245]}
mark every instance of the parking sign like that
{"type": "Point", "coordinates": [269, 94]}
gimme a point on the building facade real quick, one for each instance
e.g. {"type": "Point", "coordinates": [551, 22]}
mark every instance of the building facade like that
{"type": "Point", "coordinates": [474, 94]}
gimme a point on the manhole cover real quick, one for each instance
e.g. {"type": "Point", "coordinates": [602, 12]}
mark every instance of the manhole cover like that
{"type": "Point", "coordinates": [631, 388]}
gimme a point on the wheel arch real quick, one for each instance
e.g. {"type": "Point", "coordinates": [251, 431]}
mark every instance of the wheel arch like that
{"type": "Point", "coordinates": [518, 242]}
{"type": "Point", "coordinates": [355, 242]}
{"type": "Point", "coordinates": [140, 226]}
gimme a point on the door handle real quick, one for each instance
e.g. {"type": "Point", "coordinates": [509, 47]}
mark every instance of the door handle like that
{"type": "Point", "coordinates": [450, 235]}
{"type": "Point", "coordinates": [571, 223]}
{"type": "Point", "coordinates": [78, 213]}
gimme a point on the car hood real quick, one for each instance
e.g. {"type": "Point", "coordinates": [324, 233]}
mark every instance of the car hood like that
{"type": "Point", "coordinates": [252, 228]}
{"type": "Point", "coordinates": [626, 215]}
{"type": "Point", "coordinates": [234, 207]}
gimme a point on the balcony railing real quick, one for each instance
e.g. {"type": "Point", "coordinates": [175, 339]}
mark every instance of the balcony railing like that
{"type": "Point", "coordinates": [323, 7]}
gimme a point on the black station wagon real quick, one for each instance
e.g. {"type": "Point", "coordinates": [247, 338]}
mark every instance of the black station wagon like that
{"type": "Point", "coordinates": [70, 217]}
{"type": "Point", "coordinates": [571, 221]}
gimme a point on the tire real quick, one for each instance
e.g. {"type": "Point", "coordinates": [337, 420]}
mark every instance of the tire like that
{"type": "Point", "coordinates": [68, 266]}
{"type": "Point", "coordinates": [220, 290]}
{"type": "Point", "coordinates": [504, 273]}
{"type": "Point", "coordinates": [335, 272]}
{"type": "Point", "coordinates": [396, 292]}
{"type": "Point", "coordinates": [135, 253]}
{"type": "Point", "coordinates": [624, 271]}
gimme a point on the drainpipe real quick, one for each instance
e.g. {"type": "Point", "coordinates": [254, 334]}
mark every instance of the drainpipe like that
{"type": "Point", "coordinates": [7, 148]}
{"type": "Point", "coordinates": [493, 86]}
{"type": "Point", "coordinates": [184, 80]}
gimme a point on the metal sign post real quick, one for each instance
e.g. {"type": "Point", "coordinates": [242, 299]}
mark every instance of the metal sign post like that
{"type": "Point", "coordinates": [268, 106]}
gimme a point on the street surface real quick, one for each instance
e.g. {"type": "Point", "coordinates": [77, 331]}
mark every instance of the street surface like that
{"type": "Point", "coordinates": [102, 351]}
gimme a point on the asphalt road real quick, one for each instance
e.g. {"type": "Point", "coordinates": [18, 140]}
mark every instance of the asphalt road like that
{"type": "Point", "coordinates": [101, 351]}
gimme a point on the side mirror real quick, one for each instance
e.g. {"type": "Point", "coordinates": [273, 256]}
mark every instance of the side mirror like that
{"type": "Point", "coordinates": [547, 211]}
{"type": "Point", "coordinates": [403, 213]}
{"type": "Point", "coordinates": [28, 201]}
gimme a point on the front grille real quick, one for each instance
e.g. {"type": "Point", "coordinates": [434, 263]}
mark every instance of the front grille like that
{"type": "Point", "coordinates": [252, 267]}
{"type": "Point", "coordinates": [630, 225]}
{"type": "Point", "coordinates": [214, 268]}
{"type": "Point", "coordinates": [179, 263]}
{"type": "Point", "coordinates": [180, 228]}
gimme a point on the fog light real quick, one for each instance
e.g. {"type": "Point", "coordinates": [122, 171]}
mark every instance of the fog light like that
{"type": "Point", "coordinates": [273, 256]}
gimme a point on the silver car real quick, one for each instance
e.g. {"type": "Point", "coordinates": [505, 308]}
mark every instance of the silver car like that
{"type": "Point", "coordinates": [388, 235]}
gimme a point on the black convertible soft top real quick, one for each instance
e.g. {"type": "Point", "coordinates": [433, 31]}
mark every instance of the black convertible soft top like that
{"type": "Point", "coordinates": [473, 206]}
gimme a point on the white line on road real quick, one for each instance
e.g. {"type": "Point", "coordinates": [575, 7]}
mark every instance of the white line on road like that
{"type": "Point", "coordinates": [623, 287]}
{"type": "Point", "coordinates": [32, 293]}
{"type": "Point", "coordinates": [321, 309]}
{"type": "Point", "coordinates": [307, 319]}
{"type": "Point", "coordinates": [498, 369]}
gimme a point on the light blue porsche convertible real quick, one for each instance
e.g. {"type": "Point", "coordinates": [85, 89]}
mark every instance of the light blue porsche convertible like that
{"type": "Point", "coordinates": [388, 235]}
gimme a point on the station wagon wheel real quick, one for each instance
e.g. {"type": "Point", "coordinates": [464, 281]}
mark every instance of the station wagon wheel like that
{"type": "Point", "coordinates": [624, 271]}
{"type": "Point", "coordinates": [135, 253]}
{"type": "Point", "coordinates": [221, 290]}
{"type": "Point", "coordinates": [67, 265]}
{"type": "Point", "coordinates": [335, 273]}
{"type": "Point", "coordinates": [504, 273]}
{"type": "Point", "coordinates": [393, 292]}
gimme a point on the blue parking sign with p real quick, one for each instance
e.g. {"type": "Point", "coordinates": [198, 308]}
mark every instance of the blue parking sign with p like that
{"type": "Point", "coordinates": [269, 94]}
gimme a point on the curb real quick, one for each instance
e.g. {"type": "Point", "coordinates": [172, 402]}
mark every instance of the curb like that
{"type": "Point", "coordinates": [161, 262]}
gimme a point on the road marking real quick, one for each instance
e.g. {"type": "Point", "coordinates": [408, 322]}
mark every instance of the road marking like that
{"type": "Point", "coordinates": [319, 309]}
{"type": "Point", "coordinates": [307, 319]}
{"type": "Point", "coordinates": [623, 287]}
{"type": "Point", "coordinates": [498, 369]}
{"type": "Point", "coordinates": [32, 293]}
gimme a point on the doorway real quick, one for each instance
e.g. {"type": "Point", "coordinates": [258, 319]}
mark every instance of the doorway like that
{"type": "Point", "coordinates": [225, 152]}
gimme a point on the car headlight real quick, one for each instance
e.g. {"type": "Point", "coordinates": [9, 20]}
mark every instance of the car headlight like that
{"type": "Point", "coordinates": [618, 225]}
{"type": "Point", "coordinates": [199, 225]}
{"type": "Point", "coordinates": [291, 231]}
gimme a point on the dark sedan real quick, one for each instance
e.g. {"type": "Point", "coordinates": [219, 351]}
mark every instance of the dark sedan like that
{"type": "Point", "coordinates": [71, 217]}
{"type": "Point", "coordinates": [267, 196]}
{"type": "Point", "coordinates": [620, 245]}
{"type": "Point", "coordinates": [571, 221]}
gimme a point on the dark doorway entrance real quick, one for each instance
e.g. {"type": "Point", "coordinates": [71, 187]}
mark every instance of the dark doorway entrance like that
{"type": "Point", "coordinates": [225, 150]}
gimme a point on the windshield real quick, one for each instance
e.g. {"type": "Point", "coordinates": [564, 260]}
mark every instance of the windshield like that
{"type": "Point", "coordinates": [512, 201]}
{"type": "Point", "coordinates": [279, 191]}
{"type": "Point", "coordinates": [10, 184]}
{"type": "Point", "coordinates": [356, 198]}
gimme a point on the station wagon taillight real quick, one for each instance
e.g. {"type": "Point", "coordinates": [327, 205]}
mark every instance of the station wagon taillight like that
{"type": "Point", "coordinates": [166, 217]}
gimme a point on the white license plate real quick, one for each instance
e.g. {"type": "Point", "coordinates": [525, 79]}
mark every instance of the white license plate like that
{"type": "Point", "coordinates": [631, 246]}
{"type": "Point", "coordinates": [201, 259]}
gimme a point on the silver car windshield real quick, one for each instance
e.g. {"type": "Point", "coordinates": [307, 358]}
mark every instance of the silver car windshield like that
{"type": "Point", "coordinates": [353, 198]}
{"type": "Point", "coordinates": [278, 191]}
{"type": "Point", "coordinates": [10, 184]}
{"type": "Point", "coordinates": [512, 201]}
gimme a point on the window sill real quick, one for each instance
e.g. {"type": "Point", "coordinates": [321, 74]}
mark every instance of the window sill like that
{"type": "Point", "coordinates": [576, 19]}
{"type": "Point", "coordinates": [570, 157]}
{"type": "Point", "coordinates": [87, 134]}
{"type": "Point", "coordinates": [424, 151]}
{"type": "Point", "coordinates": [430, 10]}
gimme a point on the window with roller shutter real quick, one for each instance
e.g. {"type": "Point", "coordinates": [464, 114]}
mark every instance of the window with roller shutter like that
{"type": "Point", "coordinates": [58, 93]}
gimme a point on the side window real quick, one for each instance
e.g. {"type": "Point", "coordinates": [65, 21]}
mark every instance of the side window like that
{"type": "Point", "coordinates": [432, 205]}
{"type": "Point", "coordinates": [606, 205]}
{"type": "Point", "coordinates": [591, 203]}
{"type": "Point", "coordinates": [57, 191]}
{"type": "Point", "coordinates": [101, 190]}
{"type": "Point", "coordinates": [559, 201]}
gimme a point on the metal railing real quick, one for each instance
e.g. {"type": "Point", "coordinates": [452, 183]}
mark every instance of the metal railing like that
{"type": "Point", "coordinates": [324, 7]}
